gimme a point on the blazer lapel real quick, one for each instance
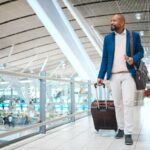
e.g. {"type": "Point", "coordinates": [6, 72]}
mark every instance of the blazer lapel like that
{"type": "Point", "coordinates": [113, 44]}
{"type": "Point", "coordinates": [128, 44]}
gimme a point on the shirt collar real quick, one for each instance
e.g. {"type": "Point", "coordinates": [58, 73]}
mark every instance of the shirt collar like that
{"type": "Point", "coordinates": [123, 33]}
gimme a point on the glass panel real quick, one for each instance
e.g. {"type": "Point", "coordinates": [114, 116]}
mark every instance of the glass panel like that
{"type": "Point", "coordinates": [103, 93]}
{"type": "Point", "coordinates": [58, 99]}
{"type": "Point", "coordinates": [20, 103]}
{"type": "Point", "coordinates": [81, 96]}
{"type": "Point", "coordinates": [16, 136]}
{"type": "Point", "coordinates": [18, 100]}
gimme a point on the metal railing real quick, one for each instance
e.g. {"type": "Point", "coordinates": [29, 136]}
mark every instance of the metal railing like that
{"type": "Point", "coordinates": [43, 122]}
{"type": "Point", "coordinates": [37, 125]}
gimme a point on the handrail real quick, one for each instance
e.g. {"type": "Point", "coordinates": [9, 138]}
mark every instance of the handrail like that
{"type": "Point", "coordinates": [35, 76]}
{"type": "Point", "coordinates": [39, 124]}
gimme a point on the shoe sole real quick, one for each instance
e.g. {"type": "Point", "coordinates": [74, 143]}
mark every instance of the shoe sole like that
{"type": "Point", "coordinates": [129, 143]}
{"type": "Point", "coordinates": [118, 137]}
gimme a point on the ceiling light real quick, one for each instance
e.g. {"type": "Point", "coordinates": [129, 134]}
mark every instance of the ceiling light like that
{"type": "Point", "coordinates": [138, 16]}
{"type": "Point", "coordinates": [142, 33]}
{"type": "Point", "coordinates": [4, 82]}
{"type": "Point", "coordinates": [2, 66]}
{"type": "Point", "coordinates": [31, 71]}
{"type": "Point", "coordinates": [63, 66]}
{"type": "Point", "coordinates": [25, 81]}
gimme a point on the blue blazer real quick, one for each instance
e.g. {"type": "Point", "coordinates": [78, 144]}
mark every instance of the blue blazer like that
{"type": "Point", "coordinates": [109, 49]}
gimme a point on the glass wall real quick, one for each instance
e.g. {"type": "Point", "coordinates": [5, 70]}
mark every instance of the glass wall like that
{"type": "Point", "coordinates": [20, 104]}
{"type": "Point", "coordinates": [58, 99]}
{"type": "Point", "coordinates": [81, 96]}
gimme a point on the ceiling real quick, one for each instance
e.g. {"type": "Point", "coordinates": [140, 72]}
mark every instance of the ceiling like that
{"type": "Point", "coordinates": [25, 43]}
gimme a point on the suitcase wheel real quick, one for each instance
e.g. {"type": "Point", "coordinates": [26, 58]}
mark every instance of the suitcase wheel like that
{"type": "Point", "coordinates": [97, 130]}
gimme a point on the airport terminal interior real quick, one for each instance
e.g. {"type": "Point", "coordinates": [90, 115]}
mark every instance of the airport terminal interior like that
{"type": "Point", "coordinates": [50, 54]}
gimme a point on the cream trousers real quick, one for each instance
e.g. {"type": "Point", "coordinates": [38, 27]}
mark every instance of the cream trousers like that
{"type": "Point", "coordinates": [123, 92]}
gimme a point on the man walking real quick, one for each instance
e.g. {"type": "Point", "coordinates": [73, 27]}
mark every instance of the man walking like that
{"type": "Point", "coordinates": [118, 64]}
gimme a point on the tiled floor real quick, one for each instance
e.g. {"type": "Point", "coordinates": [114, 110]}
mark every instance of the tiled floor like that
{"type": "Point", "coordinates": [82, 136]}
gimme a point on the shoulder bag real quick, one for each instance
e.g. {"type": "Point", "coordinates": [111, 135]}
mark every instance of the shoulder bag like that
{"type": "Point", "coordinates": [141, 71]}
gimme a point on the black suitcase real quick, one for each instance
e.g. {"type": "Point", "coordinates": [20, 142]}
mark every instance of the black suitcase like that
{"type": "Point", "coordinates": [103, 113]}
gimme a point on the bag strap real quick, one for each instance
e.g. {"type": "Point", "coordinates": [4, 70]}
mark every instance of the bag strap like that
{"type": "Point", "coordinates": [131, 48]}
{"type": "Point", "coordinates": [131, 43]}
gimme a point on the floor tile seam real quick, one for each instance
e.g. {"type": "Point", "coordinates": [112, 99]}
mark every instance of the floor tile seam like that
{"type": "Point", "coordinates": [22, 143]}
{"type": "Point", "coordinates": [27, 141]}
{"type": "Point", "coordinates": [73, 138]}
{"type": "Point", "coordinates": [51, 132]}
{"type": "Point", "coordinates": [138, 136]}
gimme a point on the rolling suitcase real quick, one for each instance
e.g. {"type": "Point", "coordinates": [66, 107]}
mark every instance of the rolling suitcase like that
{"type": "Point", "coordinates": [103, 113]}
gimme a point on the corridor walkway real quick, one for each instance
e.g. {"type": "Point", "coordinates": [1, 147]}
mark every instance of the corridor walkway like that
{"type": "Point", "coordinates": [81, 135]}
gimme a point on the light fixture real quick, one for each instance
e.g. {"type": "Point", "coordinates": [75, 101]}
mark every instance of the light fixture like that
{"type": "Point", "coordinates": [142, 33]}
{"type": "Point", "coordinates": [2, 66]}
{"type": "Point", "coordinates": [138, 16]}
{"type": "Point", "coordinates": [31, 71]}
{"type": "Point", "coordinates": [63, 64]}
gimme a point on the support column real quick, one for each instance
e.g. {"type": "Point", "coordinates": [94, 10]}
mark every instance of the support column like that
{"type": "Point", "coordinates": [42, 102]}
{"type": "Point", "coordinates": [89, 96]}
{"type": "Point", "coordinates": [72, 86]}
{"type": "Point", "coordinates": [11, 100]}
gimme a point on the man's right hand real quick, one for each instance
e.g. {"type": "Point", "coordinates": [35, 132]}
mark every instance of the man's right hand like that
{"type": "Point", "coordinates": [99, 81]}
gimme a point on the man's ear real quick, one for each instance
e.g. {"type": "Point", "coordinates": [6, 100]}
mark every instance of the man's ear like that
{"type": "Point", "coordinates": [123, 24]}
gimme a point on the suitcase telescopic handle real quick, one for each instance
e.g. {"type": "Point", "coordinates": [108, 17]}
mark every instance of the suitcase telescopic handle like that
{"type": "Point", "coordinates": [95, 85]}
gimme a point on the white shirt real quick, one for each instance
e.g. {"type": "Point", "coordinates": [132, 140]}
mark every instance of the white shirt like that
{"type": "Point", "coordinates": [119, 63]}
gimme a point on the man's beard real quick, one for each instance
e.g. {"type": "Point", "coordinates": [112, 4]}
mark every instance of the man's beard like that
{"type": "Point", "coordinates": [113, 27]}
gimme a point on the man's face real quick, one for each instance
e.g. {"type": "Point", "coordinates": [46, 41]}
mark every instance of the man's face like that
{"type": "Point", "coordinates": [115, 23]}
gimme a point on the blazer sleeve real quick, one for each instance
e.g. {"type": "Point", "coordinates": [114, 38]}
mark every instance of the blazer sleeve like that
{"type": "Point", "coordinates": [139, 52]}
{"type": "Point", "coordinates": [104, 61]}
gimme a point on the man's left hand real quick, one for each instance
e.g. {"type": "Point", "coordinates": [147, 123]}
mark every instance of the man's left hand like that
{"type": "Point", "coordinates": [130, 60]}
